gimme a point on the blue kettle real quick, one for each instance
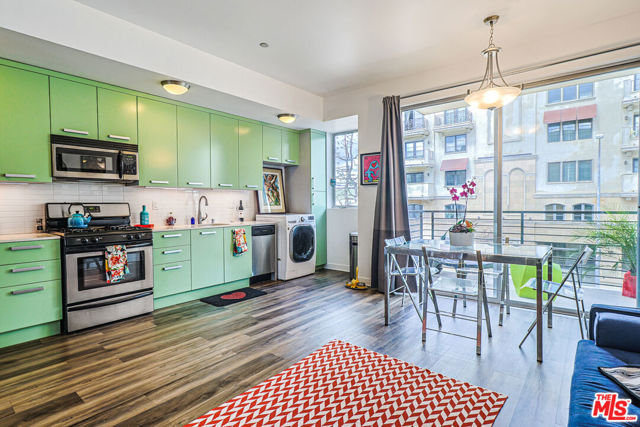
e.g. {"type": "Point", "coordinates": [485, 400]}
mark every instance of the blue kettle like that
{"type": "Point", "coordinates": [77, 220]}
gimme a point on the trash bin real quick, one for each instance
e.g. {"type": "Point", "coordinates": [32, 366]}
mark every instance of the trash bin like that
{"type": "Point", "coordinates": [353, 255]}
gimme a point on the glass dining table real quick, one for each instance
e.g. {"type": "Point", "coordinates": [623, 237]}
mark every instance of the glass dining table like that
{"type": "Point", "coordinates": [498, 253]}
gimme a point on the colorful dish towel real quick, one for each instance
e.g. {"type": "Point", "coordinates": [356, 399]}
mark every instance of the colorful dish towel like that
{"type": "Point", "coordinates": [116, 263]}
{"type": "Point", "coordinates": [239, 241]}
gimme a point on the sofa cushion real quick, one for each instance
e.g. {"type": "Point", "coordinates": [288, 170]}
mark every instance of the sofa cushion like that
{"type": "Point", "coordinates": [587, 381]}
{"type": "Point", "coordinates": [615, 330]}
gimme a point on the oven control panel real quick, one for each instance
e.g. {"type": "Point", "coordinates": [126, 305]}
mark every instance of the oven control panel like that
{"type": "Point", "coordinates": [109, 239]}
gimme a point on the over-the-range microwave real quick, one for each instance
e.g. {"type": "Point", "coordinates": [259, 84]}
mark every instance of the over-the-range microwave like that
{"type": "Point", "coordinates": [79, 158]}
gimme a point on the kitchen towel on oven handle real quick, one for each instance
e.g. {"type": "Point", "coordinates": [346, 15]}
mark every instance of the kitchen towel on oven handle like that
{"type": "Point", "coordinates": [116, 264]}
{"type": "Point", "coordinates": [239, 241]}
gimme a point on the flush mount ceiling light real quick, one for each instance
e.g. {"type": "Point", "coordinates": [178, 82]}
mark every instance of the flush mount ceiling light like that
{"type": "Point", "coordinates": [287, 118]}
{"type": "Point", "coordinates": [175, 87]}
{"type": "Point", "coordinates": [263, 44]}
{"type": "Point", "coordinates": [490, 94]}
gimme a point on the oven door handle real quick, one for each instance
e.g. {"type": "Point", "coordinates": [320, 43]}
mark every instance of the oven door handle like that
{"type": "Point", "coordinates": [107, 303]}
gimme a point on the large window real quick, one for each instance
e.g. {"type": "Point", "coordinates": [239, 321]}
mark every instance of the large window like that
{"type": "Point", "coordinates": [415, 177]}
{"type": "Point", "coordinates": [554, 212]}
{"type": "Point", "coordinates": [345, 149]}
{"type": "Point", "coordinates": [455, 178]}
{"type": "Point", "coordinates": [570, 171]}
{"type": "Point", "coordinates": [585, 130]}
{"type": "Point", "coordinates": [414, 150]}
{"type": "Point", "coordinates": [570, 93]}
{"type": "Point", "coordinates": [455, 143]}
{"type": "Point", "coordinates": [583, 216]}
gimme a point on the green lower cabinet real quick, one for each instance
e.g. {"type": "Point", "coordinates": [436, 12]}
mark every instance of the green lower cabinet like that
{"type": "Point", "coordinates": [236, 267]}
{"type": "Point", "coordinates": [25, 150]}
{"type": "Point", "coordinates": [74, 109]}
{"type": "Point", "coordinates": [18, 252]}
{"type": "Point", "coordinates": [207, 257]}
{"type": "Point", "coordinates": [117, 116]}
{"type": "Point", "coordinates": [271, 144]}
{"type": "Point", "coordinates": [170, 279]}
{"type": "Point", "coordinates": [319, 211]}
{"type": "Point", "coordinates": [194, 149]}
{"type": "Point", "coordinates": [29, 272]}
{"type": "Point", "coordinates": [23, 306]}
{"type": "Point", "coordinates": [290, 147]}
{"type": "Point", "coordinates": [167, 239]}
{"type": "Point", "coordinates": [174, 254]}
{"type": "Point", "coordinates": [157, 144]}
{"type": "Point", "coordinates": [250, 156]}
{"type": "Point", "coordinates": [224, 152]}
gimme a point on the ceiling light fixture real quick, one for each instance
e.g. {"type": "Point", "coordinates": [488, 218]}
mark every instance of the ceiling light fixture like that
{"type": "Point", "coordinates": [490, 94]}
{"type": "Point", "coordinates": [287, 118]}
{"type": "Point", "coordinates": [175, 87]}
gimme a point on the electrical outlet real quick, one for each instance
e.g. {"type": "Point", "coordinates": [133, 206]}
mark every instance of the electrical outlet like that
{"type": "Point", "coordinates": [154, 205]}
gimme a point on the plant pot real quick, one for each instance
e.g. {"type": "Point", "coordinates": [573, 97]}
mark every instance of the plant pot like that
{"type": "Point", "coordinates": [629, 285]}
{"type": "Point", "coordinates": [461, 239]}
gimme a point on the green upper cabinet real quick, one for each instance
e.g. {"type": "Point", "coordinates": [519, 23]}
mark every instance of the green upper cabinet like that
{"type": "Point", "coordinates": [224, 152]}
{"type": "Point", "coordinates": [194, 148]}
{"type": "Point", "coordinates": [117, 116]}
{"type": "Point", "coordinates": [236, 267]}
{"type": "Point", "coordinates": [271, 144]}
{"type": "Point", "coordinates": [250, 155]}
{"type": "Point", "coordinates": [318, 161]}
{"type": "Point", "coordinates": [319, 210]}
{"type": "Point", "coordinates": [74, 109]}
{"type": "Point", "coordinates": [25, 151]}
{"type": "Point", "coordinates": [207, 258]}
{"type": "Point", "coordinates": [158, 146]}
{"type": "Point", "coordinates": [290, 147]}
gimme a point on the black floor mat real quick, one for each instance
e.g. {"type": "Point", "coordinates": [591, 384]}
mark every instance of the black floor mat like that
{"type": "Point", "coordinates": [228, 298]}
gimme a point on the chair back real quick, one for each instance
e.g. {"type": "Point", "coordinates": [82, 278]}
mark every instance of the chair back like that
{"type": "Point", "coordinates": [428, 253]}
{"type": "Point", "coordinates": [580, 261]}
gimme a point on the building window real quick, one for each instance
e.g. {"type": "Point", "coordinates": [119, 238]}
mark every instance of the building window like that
{"type": "Point", "coordinates": [634, 165]}
{"type": "Point", "coordinates": [553, 172]}
{"type": "Point", "coordinates": [413, 120]}
{"type": "Point", "coordinates": [585, 169]}
{"type": "Point", "coordinates": [568, 171]}
{"type": "Point", "coordinates": [414, 150]}
{"type": "Point", "coordinates": [345, 164]}
{"type": "Point", "coordinates": [553, 132]}
{"type": "Point", "coordinates": [585, 90]}
{"type": "Point", "coordinates": [455, 143]}
{"type": "Point", "coordinates": [585, 129]}
{"type": "Point", "coordinates": [636, 82]}
{"type": "Point", "coordinates": [451, 210]}
{"type": "Point", "coordinates": [568, 131]}
{"type": "Point", "coordinates": [415, 177]}
{"type": "Point", "coordinates": [453, 178]}
{"type": "Point", "coordinates": [554, 95]}
{"type": "Point", "coordinates": [554, 212]}
{"type": "Point", "coordinates": [414, 210]}
{"type": "Point", "coordinates": [636, 122]}
{"type": "Point", "coordinates": [570, 93]}
{"type": "Point", "coordinates": [584, 216]}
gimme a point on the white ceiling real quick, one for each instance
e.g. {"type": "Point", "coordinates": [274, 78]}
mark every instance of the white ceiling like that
{"type": "Point", "coordinates": [330, 45]}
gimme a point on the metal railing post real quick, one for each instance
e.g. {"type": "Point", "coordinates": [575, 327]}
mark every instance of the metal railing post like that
{"type": "Point", "coordinates": [433, 225]}
{"type": "Point", "coordinates": [521, 227]}
{"type": "Point", "coordinates": [422, 224]}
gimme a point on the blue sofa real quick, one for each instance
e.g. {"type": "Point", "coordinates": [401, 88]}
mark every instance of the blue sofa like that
{"type": "Point", "coordinates": [614, 340]}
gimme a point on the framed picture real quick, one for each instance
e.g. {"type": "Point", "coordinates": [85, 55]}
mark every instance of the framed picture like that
{"type": "Point", "coordinates": [370, 168]}
{"type": "Point", "coordinates": [271, 198]}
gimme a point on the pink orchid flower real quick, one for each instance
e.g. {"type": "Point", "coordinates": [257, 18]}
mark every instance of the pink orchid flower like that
{"type": "Point", "coordinates": [471, 191]}
{"type": "Point", "coordinates": [463, 194]}
{"type": "Point", "coordinates": [453, 191]}
{"type": "Point", "coordinates": [455, 198]}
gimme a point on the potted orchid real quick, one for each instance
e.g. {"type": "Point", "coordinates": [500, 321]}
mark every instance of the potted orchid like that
{"type": "Point", "coordinates": [461, 233]}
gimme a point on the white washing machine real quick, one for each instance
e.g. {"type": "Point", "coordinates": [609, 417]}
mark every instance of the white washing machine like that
{"type": "Point", "coordinates": [296, 237]}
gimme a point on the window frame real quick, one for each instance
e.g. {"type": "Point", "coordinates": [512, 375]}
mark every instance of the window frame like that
{"type": "Point", "coordinates": [554, 214]}
{"type": "Point", "coordinates": [559, 131]}
{"type": "Point", "coordinates": [456, 139]}
{"type": "Point", "coordinates": [464, 177]}
{"type": "Point", "coordinates": [583, 121]}
{"type": "Point", "coordinates": [414, 142]}
{"type": "Point", "coordinates": [415, 174]}
{"type": "Point", "coordinates": [581, 217]}
{"type": "Point", "coordinates": [413, 212]}
{"type": "Point", "coordinates": [578, 162]}
{"type": "Point", "coordinates": [355, 179]}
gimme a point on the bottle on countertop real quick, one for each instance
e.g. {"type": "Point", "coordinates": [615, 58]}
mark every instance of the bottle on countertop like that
{"type": "Point", "coordinates": [144, 216]}
{"type": "Point", "coordinates": [171, 220]}
{"type": "Point", "coordinates": [241, 212]}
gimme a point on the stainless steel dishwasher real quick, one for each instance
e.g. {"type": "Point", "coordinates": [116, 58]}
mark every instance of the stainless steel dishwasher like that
{"type": "Point", "coordinates": [264, 252]}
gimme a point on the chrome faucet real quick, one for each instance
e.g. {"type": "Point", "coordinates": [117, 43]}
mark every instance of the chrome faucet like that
{"type": "Point", "coordinates": [201, 218]}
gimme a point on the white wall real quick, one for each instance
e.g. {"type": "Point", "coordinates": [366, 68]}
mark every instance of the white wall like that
{"type": "Point", "coordinates": [22, 204]}
{"type": "Point", "coordinates": [340, 222]}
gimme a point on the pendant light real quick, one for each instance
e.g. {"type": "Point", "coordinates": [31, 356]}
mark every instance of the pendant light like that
{"type": "Point", "coordinates": [490, 94]}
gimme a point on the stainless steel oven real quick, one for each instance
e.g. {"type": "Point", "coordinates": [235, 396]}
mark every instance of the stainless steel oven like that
{"type": "Point", "coordinates": [77, 158]}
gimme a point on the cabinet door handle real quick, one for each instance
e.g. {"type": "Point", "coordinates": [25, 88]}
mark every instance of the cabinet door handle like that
{"type": "Point", "coordinates": [25, 269]}
{"type": "Point", "coordinates": [290, 161]}
{"type": "Point", "coordinates": [25, 248]}
{"type": "Point", "coordinates": [76, 131]}
{"type": "Point", "coordinates": [195, 183]}
{"type": "Point", "coordinates": [120, 137]}
{"type": "Point", "coordinates": [169, 236]}
{"type": "Point", "coordinates": [273, 158]}
{"type": "Point", "coordinates": [158, 182]}
{"type": "Point", "coordinates": [175, 267]}
{"type": "Point", "coordinates": [206, 233]}
{"type": "Point", "coordinates": [175, 251]}
{"type": "Point", "coordinates": [28, 291]}
{"type": "Point", "coordinates": [313, 183]}
{"type": "Point", "coordinates": [19, 175]}
{"type": "Point", "coordinates": [225, 185]}
{"type": "Point", "coordinates": [251, 186]}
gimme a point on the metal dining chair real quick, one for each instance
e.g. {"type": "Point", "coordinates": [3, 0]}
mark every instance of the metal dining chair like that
{"type": "Point", "coordinates": [554, 289]}
{"type": "Point", "coordinates": [472, 286]}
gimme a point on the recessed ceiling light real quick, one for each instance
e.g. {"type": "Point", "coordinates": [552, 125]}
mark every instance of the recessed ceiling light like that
{"type": "Point", "coordinates": [287, 118]}
{"type": "Point", "coordinates": [175, 87]}
{"type": "Point", "coordinates": [264, 44]}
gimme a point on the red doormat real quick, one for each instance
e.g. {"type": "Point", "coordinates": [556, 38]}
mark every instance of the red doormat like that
{"type": "Point", "coordinates": [342, 384]}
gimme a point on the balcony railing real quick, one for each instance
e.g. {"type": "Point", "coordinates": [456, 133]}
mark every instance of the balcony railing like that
{"type": "Point", "coordinates": [415, 124]}
{"type": "Point", "coordinates": [566, 231]}
{"type": "Point", "coordinates": [427, 160]}
{"type": "Point", "coordinates": [456, 120]}
{"type": "Point", "coordinates": [420, 191]}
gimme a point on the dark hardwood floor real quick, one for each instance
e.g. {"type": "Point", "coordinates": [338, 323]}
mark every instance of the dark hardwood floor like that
{"type": "Point", "coordinates": [173, 366]}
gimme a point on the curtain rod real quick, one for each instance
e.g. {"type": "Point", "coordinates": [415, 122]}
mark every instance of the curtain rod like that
{"type": "Point", "coordinates": [525, 69]}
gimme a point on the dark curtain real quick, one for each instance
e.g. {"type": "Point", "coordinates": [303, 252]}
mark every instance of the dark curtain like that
{"type": "Point", "coordinates": [391, 214]}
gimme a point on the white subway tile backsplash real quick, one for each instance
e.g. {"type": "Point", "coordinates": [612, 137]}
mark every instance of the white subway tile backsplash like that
{"type": "Point", "coordinates": [22, 204]}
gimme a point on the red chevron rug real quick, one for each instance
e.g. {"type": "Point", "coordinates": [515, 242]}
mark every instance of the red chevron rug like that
{"type": "Point", "coordinates": [345, 385]}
